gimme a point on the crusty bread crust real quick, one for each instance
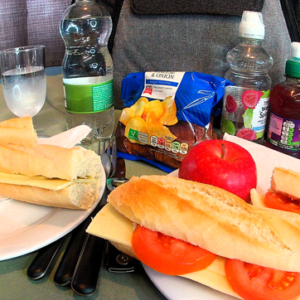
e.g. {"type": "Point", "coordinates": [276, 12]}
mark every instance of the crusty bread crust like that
{"type": "Point", "coordinates": [286, 182]}
{"type": "Point", "coordinates": [49, 161]}
{"type": "Point", "coordinates": [77, 196]}
{"type": "Point", "coordinates": [18, 131]}
{"type": "Point", "coordinates": [211, 218]}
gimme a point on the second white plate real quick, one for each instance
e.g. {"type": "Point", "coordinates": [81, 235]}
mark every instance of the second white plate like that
{"type": "Point", "coordinates": [26, 227]}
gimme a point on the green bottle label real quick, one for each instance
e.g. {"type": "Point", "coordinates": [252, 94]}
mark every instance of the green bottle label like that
{"type": "Point", "coordinates": [89, 98]}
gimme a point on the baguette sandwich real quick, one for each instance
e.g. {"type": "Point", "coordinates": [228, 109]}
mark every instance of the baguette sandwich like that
{"type": "Point", "coordinates": [46, 174]}
{"type": "Point", "coordinates": [284, 193]}
{"type": "Point", "coordinates": [212, 219]}
{"type": "Point", "coordinates": [18, 131]}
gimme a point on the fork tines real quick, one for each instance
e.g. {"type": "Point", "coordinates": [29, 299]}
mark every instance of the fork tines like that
{"type": "Point", "coordinates": [108, 146]}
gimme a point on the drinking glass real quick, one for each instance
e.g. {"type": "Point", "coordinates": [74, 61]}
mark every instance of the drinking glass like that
{"type": "Point", "coordinates": [24, 79]}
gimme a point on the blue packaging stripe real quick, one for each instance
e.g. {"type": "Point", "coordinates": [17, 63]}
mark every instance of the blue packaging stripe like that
{"type": "Point", "coordinates": [161, 82]}
{"type": "Point", "coordinates": [154, 163]}
{"type": "Point", "coordinates": [259, 128]}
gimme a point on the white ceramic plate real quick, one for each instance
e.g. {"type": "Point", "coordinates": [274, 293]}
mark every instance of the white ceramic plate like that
{"type": "Point", "coordinates": [179, 288]}
{"type": "Point", "coordinates": [26, 227]}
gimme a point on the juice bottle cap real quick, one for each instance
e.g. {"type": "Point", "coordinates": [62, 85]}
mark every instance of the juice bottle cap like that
{"type": "Point", "coordinates": [295, 51]}
{"type": "Point", "coordinates": [292, 67]}
{"type": "Point", "coordinates": [252, 25]}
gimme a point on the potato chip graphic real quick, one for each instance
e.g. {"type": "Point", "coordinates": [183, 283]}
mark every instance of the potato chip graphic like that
{"type": "Point", "coordinates": [136, 110]}
{"type": "Point", "coordinates": [155, 128]}
{"type": "Point", "coordinates": [134, 131]}
{"type": "Point", "coordinates": [142, 99]}
{"type": "Point", "coordinates": [170, 110]}
{"type": "Point", "coordinates": [125, 115]}
{"type": "Point", "coordinates": [154, 106]}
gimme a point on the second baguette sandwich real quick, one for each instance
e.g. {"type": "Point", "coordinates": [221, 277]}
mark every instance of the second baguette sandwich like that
{"type": "Point", "coordinates": [284, 192]}
{"type": "Point", "coordinates": [50, 175]}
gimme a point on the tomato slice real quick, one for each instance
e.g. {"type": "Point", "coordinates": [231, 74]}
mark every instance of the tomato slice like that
{"type": "Point", "coordinates": [168, 255]}
{"type": "Point", "coordinates": [253, 282]}
{"type": "Point", "coordinates": [277, 201]}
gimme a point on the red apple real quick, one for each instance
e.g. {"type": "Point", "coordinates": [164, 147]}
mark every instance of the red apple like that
{"type": "Point", "coordinates": [223, 164]}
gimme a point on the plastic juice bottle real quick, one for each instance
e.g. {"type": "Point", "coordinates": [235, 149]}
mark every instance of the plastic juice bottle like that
{"type": "Point", "coordinates": [284, 123]}
{"type": "Point", "coordinates": [246, 103]}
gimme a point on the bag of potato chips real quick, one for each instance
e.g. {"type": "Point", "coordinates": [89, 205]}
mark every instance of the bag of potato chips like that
{"type": "Point", "coordinates": [167, 113]}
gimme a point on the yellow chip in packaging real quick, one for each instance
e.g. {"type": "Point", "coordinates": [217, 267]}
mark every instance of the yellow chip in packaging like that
{"type": "Point", "coordinates": [153, 106]}
{"type": "Point", "coordinates": [134, 127]}
{"type": "Point", "coordinates": [147, 118]}
{"type": "Point", "coordinates": [135, 110]}
{"type": "Point", "coordinates": [170, 110]}
{"type": "Point", "coordinates": [155, 128]}
{"type": "Point", "coordinates": [142, 99]}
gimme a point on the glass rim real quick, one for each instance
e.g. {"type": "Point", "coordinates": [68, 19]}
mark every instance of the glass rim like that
{"type": "Point", "coordinates": [22, 49]}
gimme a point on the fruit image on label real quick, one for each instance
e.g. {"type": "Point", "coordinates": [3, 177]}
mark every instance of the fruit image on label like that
{"type": "Point", "coordinates": [245, 112]}
{"type": "Point", "coordinates": [231, 105]}
{"type": "Point", "coordinates": [228, 126]}
{"type": "Point", "coordinates": [250, 98]}
{"type": "Point", "coordinates": [248, 117]}
{"type": "Point", "coordinates": [247, 134]}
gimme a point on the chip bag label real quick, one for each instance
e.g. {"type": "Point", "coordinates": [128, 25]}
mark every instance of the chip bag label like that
{"type": "Point", "coordinates": [167, 113]}
{"type": "Point", "coordinates": [160, 85]}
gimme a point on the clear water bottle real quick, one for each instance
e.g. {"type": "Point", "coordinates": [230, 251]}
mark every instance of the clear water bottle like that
{"type": "Point", "coordinates": [88, 68]}
{"type": "Point", "coordinates": [245, 104]}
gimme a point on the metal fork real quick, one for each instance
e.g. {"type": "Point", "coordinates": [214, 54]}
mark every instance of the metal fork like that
{"type": "Point", "coordinates": [107, 149]}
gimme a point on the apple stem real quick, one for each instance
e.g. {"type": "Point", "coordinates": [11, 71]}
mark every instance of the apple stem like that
{"type": "Point", "coordinates": [223, 150]}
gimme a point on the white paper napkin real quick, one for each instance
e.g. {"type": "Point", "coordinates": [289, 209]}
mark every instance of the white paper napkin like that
{"type": "Point", "coordinates": [266, 160]}
{"type": "Point", "coordinates": [67, 139]}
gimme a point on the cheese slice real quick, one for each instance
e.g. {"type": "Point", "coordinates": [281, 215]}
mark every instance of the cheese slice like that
{"type": "Point", "coordinates": [257, 199]}
{"type": "Point", "coordinates": [40, 181]}
{"type": "Point", "coordinates": [113, 226]}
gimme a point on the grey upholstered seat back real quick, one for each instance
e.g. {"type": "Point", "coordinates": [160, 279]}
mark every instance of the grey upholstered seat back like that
{"type": "Point", "coordinates": [189, 42]}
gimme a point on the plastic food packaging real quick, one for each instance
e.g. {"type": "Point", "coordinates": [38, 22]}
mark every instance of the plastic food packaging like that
{"type": "Point", "coordinates": [166, 114]}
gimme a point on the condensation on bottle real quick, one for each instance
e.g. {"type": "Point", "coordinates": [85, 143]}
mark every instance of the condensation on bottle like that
{"type": "Point", "coordinates": [87, 68]}
{"type": "Point", "coordinates": [246, 102]}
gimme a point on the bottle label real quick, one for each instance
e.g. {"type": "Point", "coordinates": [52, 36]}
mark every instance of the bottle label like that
{"type": "Point", "coordinates": [284, 133]}
{"type": "Point", "coordinates": [160, 85]}
{"type": "Point", "coordinates": [88, 98]}
{"type": "Point", "coordinates": [245, 112]}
